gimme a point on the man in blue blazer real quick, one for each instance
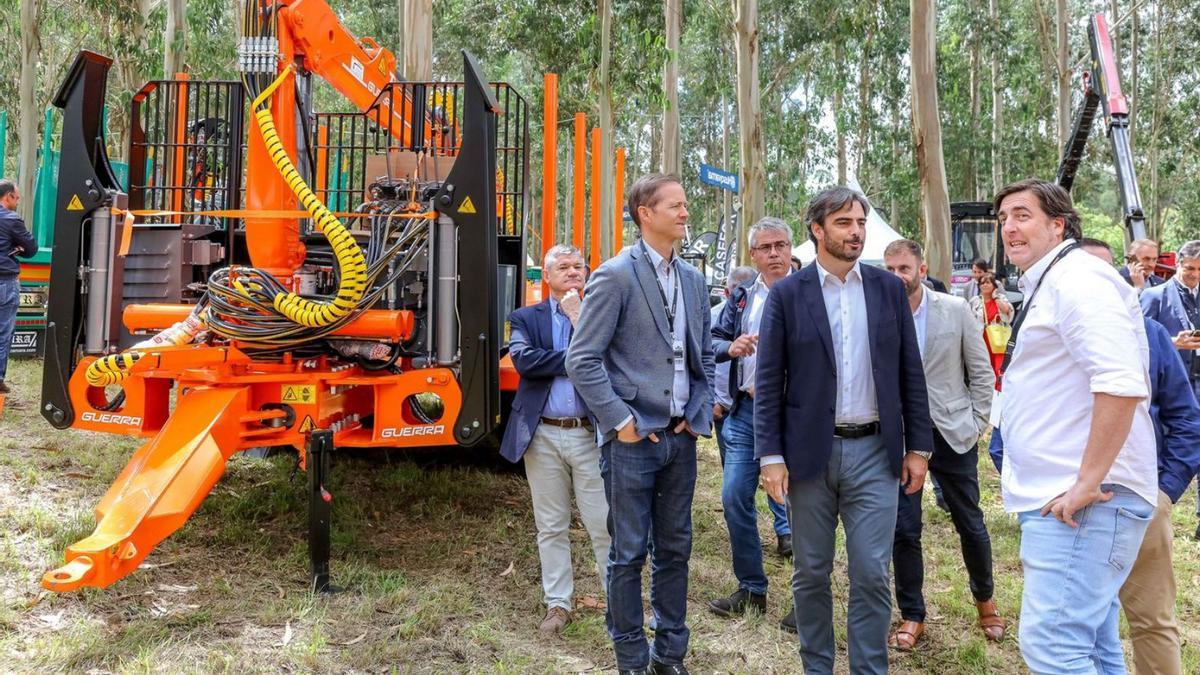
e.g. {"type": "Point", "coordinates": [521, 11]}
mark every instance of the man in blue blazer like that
{"type": "Point", "coordinates": [840, 415]}
{"type": "Point", "coordinates": [642, 359]}
{"type": "Point", "coordinates": [549, 426]}
{"type": "Point", "coordinates": [1175, 305]}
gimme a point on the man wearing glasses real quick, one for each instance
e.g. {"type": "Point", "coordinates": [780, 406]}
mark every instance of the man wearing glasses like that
{"type": "Point", "coordinates": [735, 340]}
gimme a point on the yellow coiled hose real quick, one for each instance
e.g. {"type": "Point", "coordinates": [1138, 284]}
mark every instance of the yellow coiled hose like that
{"type": "Point", "coordinates": [352, 264]}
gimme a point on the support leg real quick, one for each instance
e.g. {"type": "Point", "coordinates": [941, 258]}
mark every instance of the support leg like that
{"type": "Point", "coordinates": [320, 508]}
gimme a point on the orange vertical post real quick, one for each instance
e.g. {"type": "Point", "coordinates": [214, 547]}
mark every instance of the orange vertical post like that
{"type": "Point", "coordinates": [549, 169]}
{"type": "Point", "coordinates": [579, 178]}
{"type": "Point", "coordinates": [619, 201]}
{"type": "Point", "coordinates": [596, 193]}
{"type": "Point", "coordinates": [179, 173]}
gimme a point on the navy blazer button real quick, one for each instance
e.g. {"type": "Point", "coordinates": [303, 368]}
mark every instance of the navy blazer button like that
{"type": "Point", "coordinates": [666, 392]}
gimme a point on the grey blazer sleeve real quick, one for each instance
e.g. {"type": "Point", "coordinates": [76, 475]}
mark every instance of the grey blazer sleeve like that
{"type": "Point", "coordinates": [981, 379]}
{"type": "Point", "coordinates": [604, 297]}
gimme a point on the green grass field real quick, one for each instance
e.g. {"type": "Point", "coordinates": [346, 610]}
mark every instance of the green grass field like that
{"type": "Point", "coordinates": [439, 564]}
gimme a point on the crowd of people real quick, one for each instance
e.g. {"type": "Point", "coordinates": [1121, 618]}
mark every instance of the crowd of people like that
{"type": "Point", "coordinates": [838, 388]}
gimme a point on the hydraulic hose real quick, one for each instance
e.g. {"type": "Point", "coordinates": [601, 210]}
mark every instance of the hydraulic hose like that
{"type": "Point", "coordinates": [352, 264]}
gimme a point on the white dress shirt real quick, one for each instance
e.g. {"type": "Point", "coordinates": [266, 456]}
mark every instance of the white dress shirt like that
{"type": "Point", "coordinates": [668, 275]}
{"type": "Point", "coordinates": [756, 299]}
{"type": "Point", "coordinates": [1083, 335]}
{"type": "Point", "coordinates": [921, 318]}
{"type": "Point", "coordinates": [846, 309]}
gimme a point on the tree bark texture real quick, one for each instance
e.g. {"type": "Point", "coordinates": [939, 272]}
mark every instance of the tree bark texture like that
{"type": "Point", "coordinates": [175, 39]}
{"type": "Point", "coordinates": [750, 135]}
{"type": "Point", "coordinates": [997, 151]}
{"type": "Point", "coordinates": [607, 200]}
{"type": "Point", "coordinates": [30, 107]}
{"type": "Point", "coordinates": [673, 16]}
{"type": "Point", "coordinates": [927, 138]}
{"type": "Point", "coordinates": [1064, 78]}
{"type": "Point", "coordinates": [418, 40]}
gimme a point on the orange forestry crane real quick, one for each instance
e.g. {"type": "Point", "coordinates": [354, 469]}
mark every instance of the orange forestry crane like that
{"type": "Point", "coordinates": [273, 276]}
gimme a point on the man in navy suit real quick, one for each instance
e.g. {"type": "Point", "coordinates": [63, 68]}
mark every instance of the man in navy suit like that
{"type": "Point", "coordinates": [549, 426]}
{"type": "Point", "coordinates": [840, 415]}
{"type": "Point", "coordinates": [1174, 304]}
{"type": "Point", "coordinates": [1141, 257]}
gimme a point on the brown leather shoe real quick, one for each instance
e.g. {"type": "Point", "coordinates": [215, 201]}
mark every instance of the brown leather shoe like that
{"type": "Point", "coordinates": [905, 637]}
{"type": "Point", "coordinates": [990, 620]}
{"type": "Point", "coordinates": [556, 619]}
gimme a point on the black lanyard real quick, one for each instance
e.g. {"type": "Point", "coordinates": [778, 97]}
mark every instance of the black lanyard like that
{"type": "Point", "coordinates": [1016, 327]}
{"type": "Point", "coordinates": [662, 292]}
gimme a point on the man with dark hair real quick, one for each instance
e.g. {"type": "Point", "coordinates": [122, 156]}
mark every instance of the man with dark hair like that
{"type": "Point", "coordinates": [1140, 260]}
{"type": "Point", "coordinates": [960, 381]}
{"type": "Point", "coordinates": [979, 267]}
{"type": "Point", "coordinates": [735, 339]}
{"type": "Point", "coordinates": [1176, 306]}
{"type": "Point", "coordinates": [1079, 466]}
{"type": "Point", "coordinates": [642, 360]}
{"type": "Point", "coordinates": [840, 415]}
{"type": "Point", "coordinates": [15, 240]}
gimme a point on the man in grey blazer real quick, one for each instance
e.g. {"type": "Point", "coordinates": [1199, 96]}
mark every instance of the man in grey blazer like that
{"type": "Point", "coordinates": [958, 375]}
{"type": "Point", "coordinates": [642, 360]}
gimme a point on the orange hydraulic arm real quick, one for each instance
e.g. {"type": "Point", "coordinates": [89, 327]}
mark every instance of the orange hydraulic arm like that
{"type": "Point", "coordinates": [311, 36]}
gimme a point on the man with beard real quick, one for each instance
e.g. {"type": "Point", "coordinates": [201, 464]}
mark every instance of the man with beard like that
{"type": "Point", "coordinates": [960, 380]}
{"type": "Point", "coordinates": [840, 414]}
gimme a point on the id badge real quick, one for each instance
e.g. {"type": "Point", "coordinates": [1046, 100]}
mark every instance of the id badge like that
{"type": "Point", "coordinates": [680, 365]}
{"type": "Point", "coordinates": [994, 416]}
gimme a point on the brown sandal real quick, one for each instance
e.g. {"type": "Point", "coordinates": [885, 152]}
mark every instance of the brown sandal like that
{"type": "Point", "coordinates": [905, 637]}
{"type": "Point", "coordinates": [990, 621]}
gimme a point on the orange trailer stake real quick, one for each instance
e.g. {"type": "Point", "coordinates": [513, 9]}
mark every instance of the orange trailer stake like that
{"type": "Point", "coordinates": [549, 171]}
{"type": "Point", "coordinates": [596, 258]}
{"type": "Point", "coordinates": [619, 201]}
{"type": "Point", "coordinates": [579, 177]}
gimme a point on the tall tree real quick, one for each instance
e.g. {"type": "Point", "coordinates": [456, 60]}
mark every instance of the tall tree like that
{"type": "Point", "coordinates": [607, 201]}
{"type": "Point", "coordinates": [997, 151]}
{"type": "Point", "coordinates": [1064, 76]}
{"type": "Point", "coordinates": [30, 109]}
{"type": "Point", "coordinates": [927, 138]}
{"type": "Point", "coordinates": [673, 14]}
{"type": "Point", "coordinates": [418, 40]}
{"type": "Point", "coordinates": [750, 123]}
{"type": "Point", "coordinates": [175, 38]}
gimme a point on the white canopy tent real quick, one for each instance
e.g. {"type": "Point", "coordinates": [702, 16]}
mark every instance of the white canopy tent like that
{"type": "Point", "coordinates": [879, 235]}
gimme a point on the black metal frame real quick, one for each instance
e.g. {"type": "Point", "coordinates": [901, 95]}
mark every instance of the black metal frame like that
{"type": "Point", "coordinates": [86, 182]}
{"type": "Point", "coordinates": [320, 508]}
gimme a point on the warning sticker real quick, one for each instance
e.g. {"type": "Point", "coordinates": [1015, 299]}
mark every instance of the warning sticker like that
{"type": "Point", "coordinates": [300, 393]}
{"type": "Point", "coordinates": [76, 205]}
{"type": "Point", "coordinates": [307, 425]}
{"type": "Point", "coordinates": [467, 206]}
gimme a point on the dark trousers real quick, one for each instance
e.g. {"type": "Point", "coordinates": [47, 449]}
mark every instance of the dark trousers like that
{"type": "Point", "coordinates": [649, 488]}
{"type": "Point", "coordinates": [958, 474]}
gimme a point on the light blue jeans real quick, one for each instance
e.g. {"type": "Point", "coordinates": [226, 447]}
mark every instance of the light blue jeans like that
{"type": "Point", "coordinates": [1069, 610]}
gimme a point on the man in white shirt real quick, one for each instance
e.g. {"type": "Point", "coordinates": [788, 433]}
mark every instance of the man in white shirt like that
{"type": "Point", "coordinates": [1080, 464]}
{"type": "Point", "coordinates": [841, 415]}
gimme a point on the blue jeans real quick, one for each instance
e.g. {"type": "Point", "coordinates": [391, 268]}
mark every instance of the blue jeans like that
{"type": "Point", "coordinates": [738, 490]}
{"type": "Point", "coordinates": [10, 301]}
{"type": "Point", "coordinates": [1069, 610]}
{"type": "Point", "coordinates": [779, 511]}
{"type": "Point", "coordinates": [649, 488]}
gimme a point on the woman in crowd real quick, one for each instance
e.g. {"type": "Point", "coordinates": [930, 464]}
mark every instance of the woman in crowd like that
{"type": "Point", "coordinates": [992, 307]}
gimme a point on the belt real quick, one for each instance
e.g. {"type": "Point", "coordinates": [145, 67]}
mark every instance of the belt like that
{"type": "Point", "coordinates": [852, 431]}
{"type": "Point", "coordinates": [568, 422]}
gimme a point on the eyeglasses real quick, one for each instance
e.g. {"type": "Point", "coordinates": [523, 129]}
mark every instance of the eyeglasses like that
{"type": "Point", "coordinates": [780, 246]}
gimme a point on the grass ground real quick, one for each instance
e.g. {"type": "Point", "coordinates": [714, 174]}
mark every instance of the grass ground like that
{"type": "Point", "coordinates": [440, 566]}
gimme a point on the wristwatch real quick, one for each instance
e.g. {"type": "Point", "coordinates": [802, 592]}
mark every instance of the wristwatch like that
{"type": "Point", "coordinates": [922, 453]}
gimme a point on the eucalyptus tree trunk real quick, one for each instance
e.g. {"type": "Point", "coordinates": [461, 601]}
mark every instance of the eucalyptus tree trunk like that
{"type": "Point", "coordinates": [175, 38]}
{"type": "Point", "coordinates": [418, 40]}
{"type": "Point", "coordinates": [997, 151]}
{"type": "Point", "coordinates": [1064, 78]}
{"type": "Point", "coordinates": [607, 201]}
{"type": "Point", "coordinates": [31, 46]}
{"type": "Point", "coordinates": [927, 138]}
{"type": "Point", "coordinates": [673, 16]}
{"type": "Point", "coordinates": [750, 134]}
